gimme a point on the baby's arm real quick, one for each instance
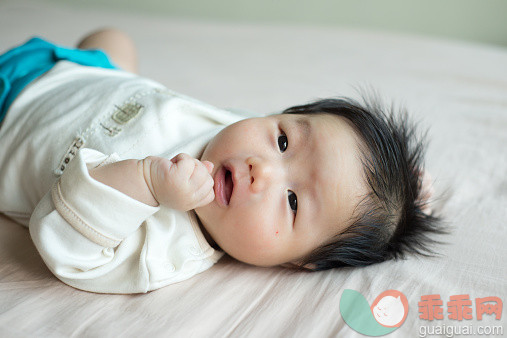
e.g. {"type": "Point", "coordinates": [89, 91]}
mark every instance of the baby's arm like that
{"type": "Point", "coordinates": [93, 235]}
{"type": "Point", "coordinates": [182, 183]}
{"type": "Point", "coordinates": [125, 176]}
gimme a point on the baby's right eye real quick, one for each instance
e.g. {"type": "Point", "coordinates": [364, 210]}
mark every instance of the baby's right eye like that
{"type": "Point", "coordinates": [283, 142]}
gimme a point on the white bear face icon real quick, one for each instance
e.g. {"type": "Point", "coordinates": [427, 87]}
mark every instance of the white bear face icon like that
{"type": "Point", "coordinates": [389, 311]}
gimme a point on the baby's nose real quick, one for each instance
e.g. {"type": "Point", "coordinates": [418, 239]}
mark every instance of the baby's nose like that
{"type": "Point", "coordinates": [262, 173]}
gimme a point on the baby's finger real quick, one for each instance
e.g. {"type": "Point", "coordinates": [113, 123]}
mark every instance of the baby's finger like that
{"type": "Point", "coordinates": [184, 168]}
{"type": "Point", "coordinates": [200, 175]}
{"type": "Point", "coordinates": [179, 157]}
{"type": "Point", "coordinates": [209, 165]}
{"type": "Point", "coordinates": [207, 200]}
{"type": "Point", "coordinates": [204, 188]}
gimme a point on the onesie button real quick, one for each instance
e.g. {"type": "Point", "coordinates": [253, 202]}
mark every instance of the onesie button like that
{"type": "Point", "coordinates": [108, 252]}
{"type": "Point", "coordinates": [170, 267]}
{"type": "Point", "coordinates": [195, 250]}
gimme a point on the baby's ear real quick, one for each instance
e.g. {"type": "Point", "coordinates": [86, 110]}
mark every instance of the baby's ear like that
{"type": "Point", "coordinates": [427, 191]}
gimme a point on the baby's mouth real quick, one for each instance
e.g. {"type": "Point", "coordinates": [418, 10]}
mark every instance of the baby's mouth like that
{"type": "Point", "coordinates": [223, 185]}
{"type": "Point", "coordinates": [228, 185]}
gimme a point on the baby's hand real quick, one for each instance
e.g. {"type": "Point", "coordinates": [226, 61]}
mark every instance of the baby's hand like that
{"type": "Point", "coordinates": [182, 183]}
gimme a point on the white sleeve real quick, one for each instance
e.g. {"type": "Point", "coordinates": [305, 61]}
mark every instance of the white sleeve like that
{"type": "Point", "coordinates": [88, 233]}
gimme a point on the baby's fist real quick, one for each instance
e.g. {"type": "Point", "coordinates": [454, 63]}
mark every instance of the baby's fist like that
{"type": "Point", "coordinates": [182, 183]}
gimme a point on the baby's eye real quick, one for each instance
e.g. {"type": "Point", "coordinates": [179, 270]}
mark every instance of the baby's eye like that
{"type": "Point", "coordinates": [283, 142]}
{"type": "Point", "coordinates": [293, 201]}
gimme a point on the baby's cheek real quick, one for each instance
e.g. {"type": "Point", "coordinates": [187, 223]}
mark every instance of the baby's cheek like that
{"type": "Point", "coordinates": [261, 235]}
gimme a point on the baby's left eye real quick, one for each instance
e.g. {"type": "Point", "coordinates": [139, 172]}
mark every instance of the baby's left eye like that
{"type": "Point", "coordinates": [283, 142]}
{"type": "Point", "coordinates": [293, 201]}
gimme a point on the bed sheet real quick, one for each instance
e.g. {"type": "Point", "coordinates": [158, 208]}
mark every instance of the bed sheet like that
{"type": "Point", "coordinates": [458, 90]}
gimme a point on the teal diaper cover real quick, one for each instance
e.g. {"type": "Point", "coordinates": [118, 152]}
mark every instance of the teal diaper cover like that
{"type": "Point", "coordinates": [23, 64]}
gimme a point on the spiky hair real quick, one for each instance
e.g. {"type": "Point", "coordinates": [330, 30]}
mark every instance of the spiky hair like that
{"type": "Point", "coordinates": [389, 221]}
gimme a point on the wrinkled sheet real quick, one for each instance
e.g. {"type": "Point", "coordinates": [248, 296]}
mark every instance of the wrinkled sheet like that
{"type": "Point", "coordinates": [458, 90]}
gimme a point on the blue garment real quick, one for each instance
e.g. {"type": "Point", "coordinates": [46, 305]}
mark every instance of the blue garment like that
{"type": "Point", "coordinates": [23, 64]}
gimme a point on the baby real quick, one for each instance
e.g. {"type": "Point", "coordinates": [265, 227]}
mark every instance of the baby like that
{"type": "Point", "coordinates": [327, 184]}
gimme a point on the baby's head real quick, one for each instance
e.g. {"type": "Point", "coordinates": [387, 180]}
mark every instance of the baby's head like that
{"type": "Point", "coordinates": [328, 184]}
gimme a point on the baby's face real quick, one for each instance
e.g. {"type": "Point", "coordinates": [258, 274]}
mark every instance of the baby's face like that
{"type": "Point", "coordinates": [293, 184]}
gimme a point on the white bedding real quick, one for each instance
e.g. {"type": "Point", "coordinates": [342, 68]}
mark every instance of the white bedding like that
{"type": "Point", "coordinates": [457, 89]}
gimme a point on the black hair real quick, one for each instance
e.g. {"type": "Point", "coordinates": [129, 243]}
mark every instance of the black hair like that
{"type": "Point", "coordinates": [389, 221]}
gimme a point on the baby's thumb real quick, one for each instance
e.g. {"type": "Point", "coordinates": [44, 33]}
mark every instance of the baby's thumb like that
{"type": "Point", "coordinates": [209, 165]}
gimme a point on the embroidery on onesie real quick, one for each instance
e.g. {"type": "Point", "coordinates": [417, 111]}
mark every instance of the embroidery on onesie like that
{"type": "Point", "coordinates": [120, 116]}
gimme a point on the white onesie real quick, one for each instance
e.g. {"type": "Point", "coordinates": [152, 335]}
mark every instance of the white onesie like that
{"type": "Point", "coordinates": [90, 235]}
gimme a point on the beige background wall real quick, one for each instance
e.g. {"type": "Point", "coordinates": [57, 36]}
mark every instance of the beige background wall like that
{"type": "Point", "coordinates": [473, 20]}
